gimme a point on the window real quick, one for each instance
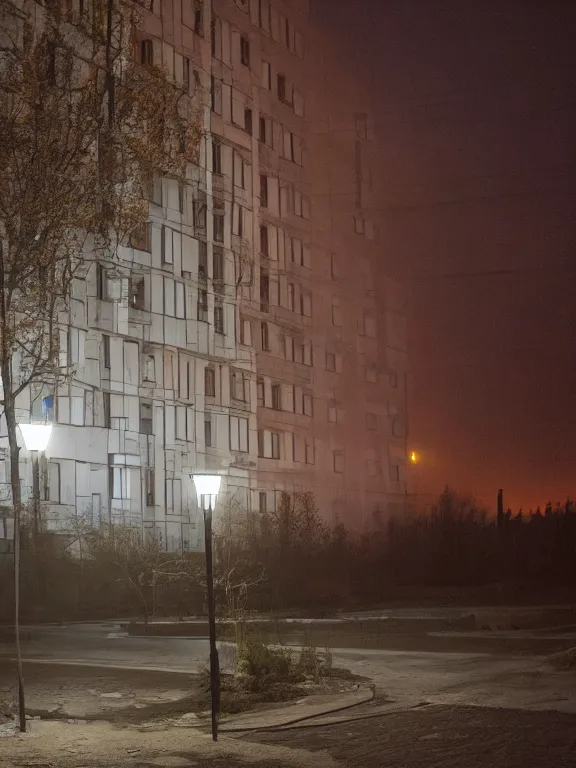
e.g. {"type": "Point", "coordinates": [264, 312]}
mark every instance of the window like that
{"type": "Point", "coordinates": [146, 53]}
{"type": "Point", "coordinates": [106, 350]}
{"type": "Point", "coordinates": [264, 191]}
{"type": "Point", "coordinates": [306, 304]}
{"type": "Point", "coordinates": [291, 296]}
{"type": "Point", "coordinates": [216, 95]}
{"type": "Point", "coordinates": [393, 379]}
{"type": "Point", "coordinates": [245, 332]}
{"type": "Point", "coordinates": [149, 368]}
{"type": "Point", "coordinates": [218, 264]}
{"type": "Point", "coordinates": [146, 418]}
{"type": "Point", "coordinates": [149, 483]}
{"type": "Point", "coordinates": [53, 489]}
{"type": "Point", "coordinates": [218, 225]}
{"type": "Point", "coordinates": [238, 434]}
{"type": "Point", "coordinates": [307, 404]}
{"type": "Point", "coordinates": [137, 292]}
{"type": "Point", "coordinates": [248, 120]}
{"type": "Point", "coordinates": [209, 381]}
{"type": "Point", "coordinates": [336, 312]}
{"type": "Point", "coordinates": [330, 361]}
{"type": "Point", "coordinates": [338, 459]}
{"type": "Point", "coordinates": [262, 129]}
{"type": "Point", "coordinates": [239, 386]}
{"type": "Point", "coordinates": [267, 75]}
{"type": "Point", "coordinates": [218, 317]}
{"type": "Point", "coordinates": [281, 87]}
{"type": "Point", "coordinates": [265, 337]}
{"type": "Point", "coordinates": [208, 430]}
{"type": "Point", "coordinates": [202, 259]}
{"type": "Point", "coordinates": [274, 445]}
{"type": "Point", "coordinates": [359, 225]}
{"type": "Point", "coordinates": [216, 157]}
{"type": "Point", "coordinates": [245, 51]}
{"type": "Point", "coordinates": [395, 473]}
{"type": "Point", "coordinates": [264, 242]}
{"type": "Point", "coordinates": [260, 392]}
{"type": "Point", "coordinates": [106, 408]}
{"type": "Point", "coordinates": [140, 239]}
{"type": "Point", "coordinates": [332, 414]}
{"type": "Point", "coordinates": [276, 397]}
{"type": "Point", "coordinates": [264, 291]}
{"type": "Point", "coordinates": [198, 18]}
{"type": "Point", "coordinates": [262, 502]}
{"type": "Point", "coordinates": [203, 306]}
{"type": "Point", "coordinates": [102, 283]}
{"type": "Point", "coordinates": [310, 452]}
{"type": "Point", "coordinates": [361, 120]}
{"type": "Point", "coordinates": [119, 483]}
{"type": "Point", "coordinates": [186, 74]}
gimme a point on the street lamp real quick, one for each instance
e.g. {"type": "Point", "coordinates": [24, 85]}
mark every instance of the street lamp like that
{"type": "Point", "coordinates": [36, 438]}
{"type": "Point", "coordinates": [207, 488]}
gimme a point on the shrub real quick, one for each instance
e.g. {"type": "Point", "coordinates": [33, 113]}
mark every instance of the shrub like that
{"type": "Point", "coordinates": [261, 662]}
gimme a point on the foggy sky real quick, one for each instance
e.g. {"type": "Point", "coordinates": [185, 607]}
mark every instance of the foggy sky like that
{"type": "Point", "coordinates": [477, 110]}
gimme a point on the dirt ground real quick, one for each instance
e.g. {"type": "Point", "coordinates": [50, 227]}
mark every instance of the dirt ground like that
{"type": "Point", "coordinates": [442, 737]}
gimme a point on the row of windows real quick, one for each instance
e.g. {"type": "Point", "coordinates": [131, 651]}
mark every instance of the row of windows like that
{"type": "Point", "coordinates": [280, 28]}
{"type": "Point", "coordinates": [285, 398]}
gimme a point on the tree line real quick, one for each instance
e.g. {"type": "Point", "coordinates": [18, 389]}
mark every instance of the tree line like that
{"type": "Point", "coordinates": [290, 560]}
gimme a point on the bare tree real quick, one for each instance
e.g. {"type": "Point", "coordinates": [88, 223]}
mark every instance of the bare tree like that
{"type": "Point", "coordinates": [85, 129]}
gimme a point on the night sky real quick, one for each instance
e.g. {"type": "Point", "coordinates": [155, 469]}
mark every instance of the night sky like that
{"type": "Point", "coordinates": [477, 110]}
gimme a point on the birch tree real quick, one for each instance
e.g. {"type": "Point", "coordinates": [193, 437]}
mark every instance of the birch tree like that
{"type": "Point", "coordinates": [85, 127]}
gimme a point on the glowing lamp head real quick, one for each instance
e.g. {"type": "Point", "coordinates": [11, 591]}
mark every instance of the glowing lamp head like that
{"type": "Point", "coordinates": [207, 488]}
{"type": "Point", "coordinates": [414, 457]}
{"type": "Point", "coordinates": [36, 436]}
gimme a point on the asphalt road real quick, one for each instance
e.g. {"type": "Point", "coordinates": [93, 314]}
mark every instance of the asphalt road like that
{"type": "Point", "coordinates": [498, 677]}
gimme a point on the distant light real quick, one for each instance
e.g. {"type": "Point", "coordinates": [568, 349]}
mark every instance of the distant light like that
{"type": "Point", "coordinates": [414, 457]}
{"type": "Point", "coordinates": [36, 436]}
{"type": "Point", "coordinates": [207, 485]}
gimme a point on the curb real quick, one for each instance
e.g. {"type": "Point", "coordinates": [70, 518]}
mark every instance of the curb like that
{"type": "Point", "coordinates": [232, 728]}
{"type": "Point", "coordinates": [104, 665]}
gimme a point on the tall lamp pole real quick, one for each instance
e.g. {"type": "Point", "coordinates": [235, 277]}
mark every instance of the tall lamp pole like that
{"type": "Point", "coordinates": [36, 437]}
{"type": "Point", "coordinates": [207, 488]}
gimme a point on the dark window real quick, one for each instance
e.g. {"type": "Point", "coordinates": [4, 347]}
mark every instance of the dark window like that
{"type": "Point", "coordinates": [101, 282]}
{"type": "Point", "coordinates": [264, 191]}
{"type": "Point", "coordinates": [202, 259]}
{"type": "Point", "coordinates": [262, 129]}
{"type": "Point", "coordinates": [265, 337]}
{"type": "Point", "coordinates": [275, 445]}
{"type": "Point", "coordinates": [140, 239]}
{"type": "Point", "coordinates": [208, 430]}
{"type": "Point", "coordinates": [264, 292]}
{"type": "Point", "coordinates": [262, 503]}
{"type": "Point", "coordinates": [149, 487]}
{"type": "Point", "coordinates": [106, 350]}
{"type": "Point", "coordinates": [198, 18]}
{"type": "Point", "coordinates": [264, 243]}
{"type": "Point", "coordinates": [218, 228]}
{"type": "Point", "coordinates": [248, 120]}
{"type": "Point", "coordinates": [218, 264]}
{"type": "Point", "coordinates": [216, 157]}
{"type": "Point", "coordinates": [106, 398]}
{"type": "Point", "coordinates": [219, 318]}
{"type": "Point", "coordinates": [203, 306]}
{"type": "Point", "coordinates": [146, 418]}
{"type": "Point", "coordinates": [260, 391]}
{"type": "Point", "coordinates": [137, 292]}
{"type": "Point", "coordinates": [146, 53]}
{"type": "Point", "coordinates": [245, 51]}
{"type": "Point", "coordinates": [282, 87]}
{"type": "Point", "coordinates": [209, 381]}
{"type": "Point", "coordinates": [276, 397]}
{"type": "Point", "coordinates": [186, 74]}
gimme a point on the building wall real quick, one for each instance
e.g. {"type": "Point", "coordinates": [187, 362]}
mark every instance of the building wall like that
{"type": "Point", "coordinates": [256, 316]}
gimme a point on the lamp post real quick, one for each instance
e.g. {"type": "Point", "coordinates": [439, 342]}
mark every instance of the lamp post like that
{"type": "Point", "coordinates": [36, 438]}
{"type": "Point", "coordinates": [207, 487]}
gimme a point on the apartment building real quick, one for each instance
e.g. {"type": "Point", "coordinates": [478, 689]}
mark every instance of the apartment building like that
{"type": "Point", "coordinates": [251, 329]}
